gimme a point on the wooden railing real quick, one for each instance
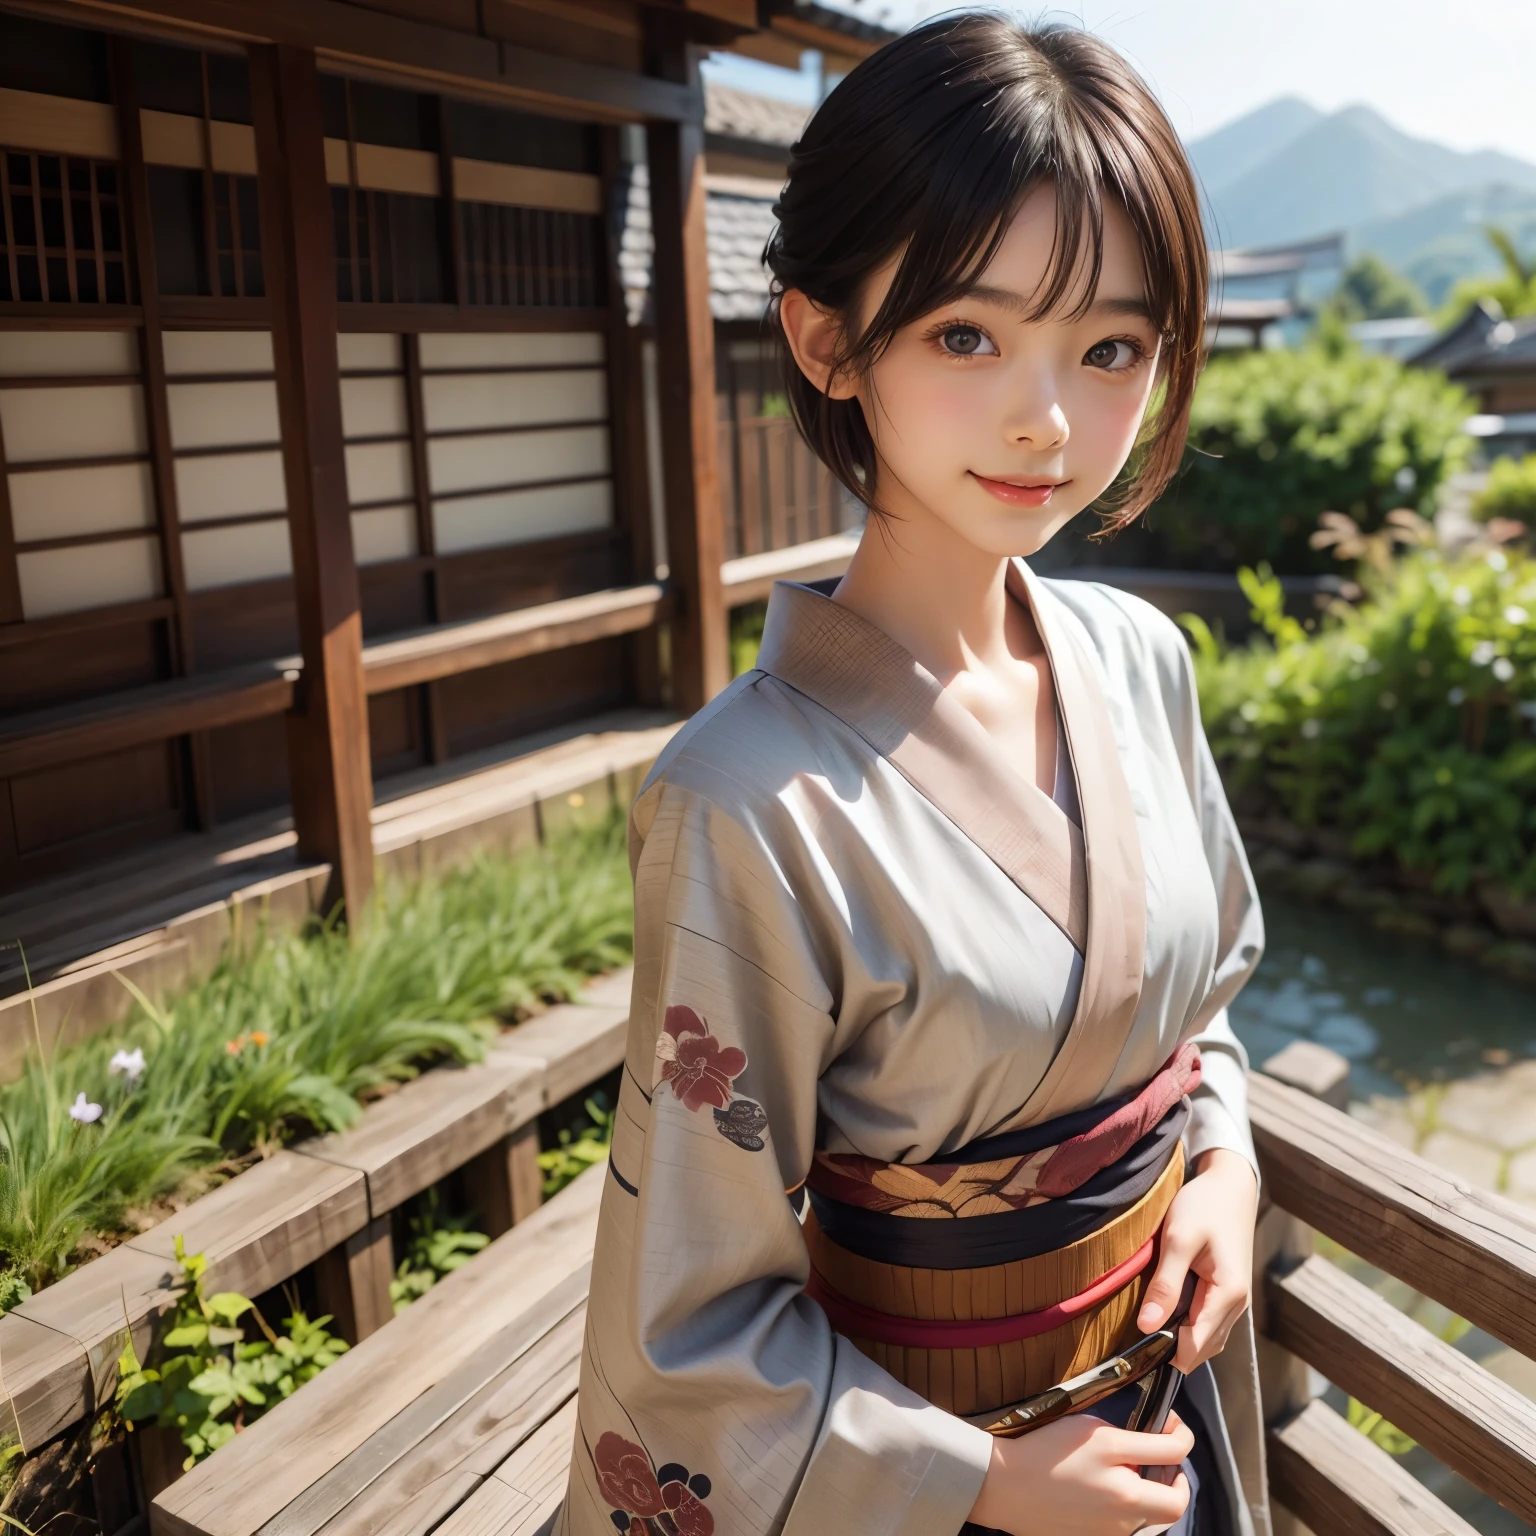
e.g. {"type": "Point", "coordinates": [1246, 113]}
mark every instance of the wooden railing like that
{"type": "Point", "coordinates": [1470, 1250]}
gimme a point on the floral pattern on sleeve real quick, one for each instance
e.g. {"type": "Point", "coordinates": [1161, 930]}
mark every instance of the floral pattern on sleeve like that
{"type": "Point", "coordinates": [648, 1501]}
{"type": "Point", "coordinates": [701, 1072]}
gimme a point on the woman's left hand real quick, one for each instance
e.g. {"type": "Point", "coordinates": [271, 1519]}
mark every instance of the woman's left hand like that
{"type": "Point", "coordinates": [1208, 1229]}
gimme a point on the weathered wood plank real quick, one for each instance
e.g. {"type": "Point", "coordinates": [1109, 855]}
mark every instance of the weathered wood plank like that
{"type": "Point", "coordinates": [1340, 1484]}
{"type": "Point", "coordinates": [750, 578]}
{"type": "Point", "coordinates": [263, 1227]}
{"type": "Point", "coordinates": [1471, 1420]}
{"type": "Point", "coordinates": [381, 1459]}
{"type": "Point", "coordinates": [261, 1472]}
{"type": "Point", "coordinates": [573, 1043]}
{"type": "Point", "coordinates": [97, 1305]}
{"type": "Point", "coordinates": [448, 649]}
{"type": "Point", "coordinates": [45, 1377]}
{"type": "Point", "coordinates": [431, 1125]}
{"type": "Point", "coordinates": [1471, 1250]}
{"type": "Point", "coordinates": [353, 1281]}
{"type": "Point", "coordinates": [505, 1182]}
{"type": "Point", "coordinates": [444, 1468]}
{"type": "Point", "coordinates": [525, 1494]}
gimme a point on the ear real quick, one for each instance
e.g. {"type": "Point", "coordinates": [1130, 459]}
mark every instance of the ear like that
{"type": "Point", "coordinates": [813, 334]}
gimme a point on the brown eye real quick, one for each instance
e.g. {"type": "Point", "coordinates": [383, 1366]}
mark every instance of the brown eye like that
{"type": "Point", "coordinates": [966, 341]}
{"type": "Point", "coordinates": [1110, 355]}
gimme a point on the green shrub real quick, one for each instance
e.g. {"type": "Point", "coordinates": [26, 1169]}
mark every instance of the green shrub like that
{"type": "Point", "coordinates": [1278, 437]}
{"type": "Point", "coordinates": [437, 1246]}
{"type": "Point", "coordinates": [207, 1381]}
{"type": "Point", "coordinates": [289, 1032]}
{"type": "Point", "coordinates": [1510, 492]}
{"type": "Point", "coordinates": [1405, 719]}
{"type": "Point", "coordinates": [581, 1146]}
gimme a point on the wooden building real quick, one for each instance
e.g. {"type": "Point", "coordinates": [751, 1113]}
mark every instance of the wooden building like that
{"type": "Point", "coordinates": [328, 455]}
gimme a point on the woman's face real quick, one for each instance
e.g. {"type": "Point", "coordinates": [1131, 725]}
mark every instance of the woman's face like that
{"type": "Point", "coordinates": [1001, 427]}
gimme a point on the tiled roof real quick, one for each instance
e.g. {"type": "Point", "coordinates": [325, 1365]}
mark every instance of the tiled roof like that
{"type": "Point", "coordinates": [739, 220]}
{"type": "Point", "coordinates": [1482, 342]}
{"type": "Point", "coordinates": [738, 114]}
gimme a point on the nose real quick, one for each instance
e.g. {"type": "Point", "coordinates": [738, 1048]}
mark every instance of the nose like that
{"type": "Point", "coordinates": [1037, 420]}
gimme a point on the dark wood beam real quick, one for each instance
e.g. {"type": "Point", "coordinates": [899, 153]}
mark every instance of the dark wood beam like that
{"type": "Point", "coordinates": [395, 50]}
{"type": "Point", "coordinates": [685, 358]}
{"type": "Point", "coordinates": [328, 764]}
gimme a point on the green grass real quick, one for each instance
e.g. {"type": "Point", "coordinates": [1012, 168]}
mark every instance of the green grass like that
{"type": "Point", "coordinates": [289, 1033]}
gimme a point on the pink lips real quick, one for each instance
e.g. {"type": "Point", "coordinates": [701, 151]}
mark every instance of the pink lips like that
{"type": "Point", "coordinates": [1037, 495]}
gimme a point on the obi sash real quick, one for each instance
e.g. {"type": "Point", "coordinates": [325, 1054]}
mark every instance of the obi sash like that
{"type": "Point", "coordinates": [1013, 1263]}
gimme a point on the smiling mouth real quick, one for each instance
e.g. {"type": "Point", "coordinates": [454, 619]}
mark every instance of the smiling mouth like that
{"type": "Point", "coordinates": [1020, 493]}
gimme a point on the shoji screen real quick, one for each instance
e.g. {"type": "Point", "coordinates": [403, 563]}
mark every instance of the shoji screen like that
{"type": "Point", "coordinates": [77, 460]}
{"type": "Point", "coordinates": [375, 420]}
{"type": "Point", "coordinates": [222, 402]}
{"type": "Point", "coordinates": [517, 437]}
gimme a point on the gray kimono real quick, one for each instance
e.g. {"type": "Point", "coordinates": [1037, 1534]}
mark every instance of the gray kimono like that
{"type": "Point", "coordinates": [859, 929]}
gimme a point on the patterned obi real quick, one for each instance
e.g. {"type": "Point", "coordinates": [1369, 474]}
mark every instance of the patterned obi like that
{"type": "Point", "coordinates": [1015, 1263]}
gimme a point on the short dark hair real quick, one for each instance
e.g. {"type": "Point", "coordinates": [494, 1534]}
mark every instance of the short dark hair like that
{"type": "Point", "coordinates": [928, 147]}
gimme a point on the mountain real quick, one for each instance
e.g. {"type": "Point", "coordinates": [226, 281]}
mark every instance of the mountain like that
{"type": "Point", "coordinates": [1441, 241]}
{"type": "Point", "coordinates": [1231, 152]}
{"type": "Point", "coordinates": [1349, 168]}
{"type": "Point", "coordinates": [1286, 172]}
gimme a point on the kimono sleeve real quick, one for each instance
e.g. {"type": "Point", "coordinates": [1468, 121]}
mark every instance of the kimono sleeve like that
{"type": "Point", "coordinates": [1219, 1105]}
{"type": "Point", "coordinates": [714, 1395]}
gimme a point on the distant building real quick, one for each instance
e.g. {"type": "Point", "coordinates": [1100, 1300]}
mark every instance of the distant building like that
{"type": "Point", "coordinates": [1495, 360]}
{"type": "Point", "coordinates": [1263, 292]}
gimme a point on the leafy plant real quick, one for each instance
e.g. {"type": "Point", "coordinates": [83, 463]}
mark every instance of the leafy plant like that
{"type": "Point", "coordinates": [1405, 718]}
{"type": "Point", "coordinates": [1373, 289]}
{"type": "Point", "coordinates": [289, 1033]}
{"type": "Point", "coordinates": [1279, 437]}
{"type": "Point", "coordinates": [1510, 491]}
{"type": "Point", "coordinates": [581, 1146]}
{"type": "Point", "coordinates": [1512, 291]}
{"type": "Point", "coordinates": [438, 1246]}
{"type": "Point", "coordinates": [209, 1381]}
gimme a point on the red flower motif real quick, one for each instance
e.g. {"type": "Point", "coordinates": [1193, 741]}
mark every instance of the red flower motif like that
{"type": "Point", "coordinates": [625, 1475]}
{"type": "Point", "coordinates": [698, 1067]}
{"type": "Point", "coordinates": [688, 1512]}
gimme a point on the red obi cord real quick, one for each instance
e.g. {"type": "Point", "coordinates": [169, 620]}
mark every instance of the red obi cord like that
{"type": "Point", "coordinates": [850, 1318]}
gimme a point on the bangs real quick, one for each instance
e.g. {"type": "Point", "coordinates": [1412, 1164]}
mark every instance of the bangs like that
{"type": "Point", "coordinates": [928, 149]}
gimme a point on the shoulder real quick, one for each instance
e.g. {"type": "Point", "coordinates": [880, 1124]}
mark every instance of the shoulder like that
{"type": "Point", "coordinates": [746, 754]}
{"type": "Point", "coordinates": [1137, 644]}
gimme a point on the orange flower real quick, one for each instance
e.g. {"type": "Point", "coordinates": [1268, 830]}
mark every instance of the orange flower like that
{"type": "Point", "coordinates": [259, 1037]}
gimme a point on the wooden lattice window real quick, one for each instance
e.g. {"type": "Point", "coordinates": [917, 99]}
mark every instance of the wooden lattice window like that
{"type": "Point", "coordinates": [536, 257]}
{"type": "Point", "coordinates": [387, 249]}
{"type": "Point", "coordinates": [62, 232]}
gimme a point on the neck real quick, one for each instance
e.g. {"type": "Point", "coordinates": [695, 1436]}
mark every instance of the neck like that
{"type": "Point", "coordinates": [936, 594]}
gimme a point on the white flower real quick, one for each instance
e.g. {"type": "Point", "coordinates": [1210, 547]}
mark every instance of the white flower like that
{"type": "Point", "coordinates": [1274, 677]}
{"type": "Point", "coordinates": [1504, 669]}
{"type": "Point", "coordinates": [1311, 729]}
{"type": "Point", "coordinates": [1515, 614]}
{"type": "Point", "coordinates": [1456, 696]}
{"type": "Point", "coordinates": [1497, 560]}
{"type": "Point", "coordinates": [84, 1111]}
{"type": "Point", "coordinates": [129, 1063]}
{"type": "Point", "coordinates": [1249, 711]}
{"type": "Point", "coordinates": [1461, 597]}
{"type": "Point", "coordinates": [1482, 653]}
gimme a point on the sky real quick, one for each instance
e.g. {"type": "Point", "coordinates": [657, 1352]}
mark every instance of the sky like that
{"type": "Point", "coordinates": [1461, 72]}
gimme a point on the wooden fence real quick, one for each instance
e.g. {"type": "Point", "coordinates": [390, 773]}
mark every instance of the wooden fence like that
{"type": "Point", "coordinates": [1472, 1251]}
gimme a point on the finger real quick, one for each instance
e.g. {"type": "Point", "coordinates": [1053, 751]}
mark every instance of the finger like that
{"type": "Point", "coordinates": [1167, 1449]}
{"type": "Point", "coordinates": [1166, 1511]}
{"type": "Point", "coordinates": [1216, 1309]}
{"type": "Point", "coordinates": [1176, 1255]}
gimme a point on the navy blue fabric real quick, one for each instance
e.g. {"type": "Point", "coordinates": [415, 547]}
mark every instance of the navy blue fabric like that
{"type": "Point", "coordinates": [972, 1242]}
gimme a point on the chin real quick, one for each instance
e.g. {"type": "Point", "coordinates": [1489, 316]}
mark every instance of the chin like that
{"type": "Point", "coordinates": [1015, 535]}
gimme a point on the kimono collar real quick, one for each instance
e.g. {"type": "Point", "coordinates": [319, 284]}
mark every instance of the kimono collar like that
{"type": "Point", "coordinates": [1090, 883]}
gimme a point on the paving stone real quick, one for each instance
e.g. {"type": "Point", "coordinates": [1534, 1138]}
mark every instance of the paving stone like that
{"type": "Point", "coordinates": [1499, 1111]}
{"type": "Point", "coordinates": [1467, 1159]}
{"type": "Point", "coordinates": [1389, 1116]}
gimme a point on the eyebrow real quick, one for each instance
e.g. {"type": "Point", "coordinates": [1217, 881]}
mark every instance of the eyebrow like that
{"type": "Point", "coordinates": [1006, 298]}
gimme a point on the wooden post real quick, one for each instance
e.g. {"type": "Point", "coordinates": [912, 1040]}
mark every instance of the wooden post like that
{"type": "Point", "coordinates": [685, 355]}
{"type": "Point", "coordinates": [352, 1280]}
{"type": "Point", "coordinates": [505, 1182]}
{"type": "Point", "coordinates": [328, 764]}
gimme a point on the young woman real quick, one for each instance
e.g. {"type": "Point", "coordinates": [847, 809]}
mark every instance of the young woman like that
{"type": "Point", "coordinates": [930, 1100]}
